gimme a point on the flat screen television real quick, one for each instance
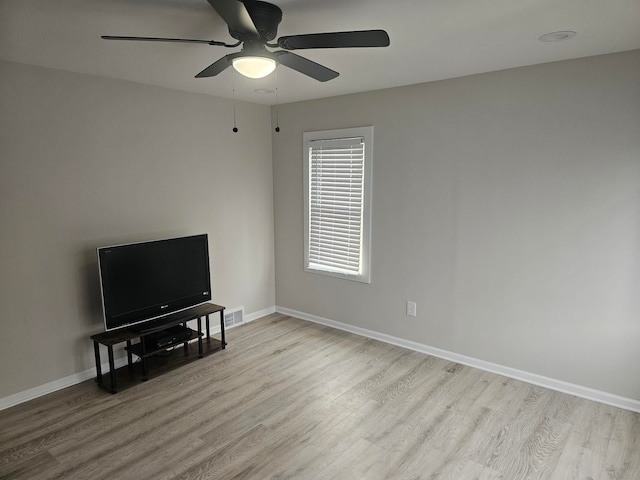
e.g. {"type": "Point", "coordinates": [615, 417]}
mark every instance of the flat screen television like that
{"type": "Point", "coordinates": [145, 281]}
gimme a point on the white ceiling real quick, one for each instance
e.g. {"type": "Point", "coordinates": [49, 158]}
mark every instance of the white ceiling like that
{"type": "Point", "coordinates": [430, 40]}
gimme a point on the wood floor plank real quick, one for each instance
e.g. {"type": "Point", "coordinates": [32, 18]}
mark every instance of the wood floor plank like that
{"type": "Point", "coordinates": [577, 461]}
{"type": "Point", "coordinates": [239, 452]}
{"type": "Point", "coordinates": [622, 461]}
{"type": "Point", "coordinates": [360, 460]}
{"type": "Point", "coordinates": [379, 379]}
{"type": "Point", "coordinates": [273, 404]}
{"type": "Point", "coordinates": [282, 454]}
{"type": "Point", "coordinates": [540, 453]}
{"type": "Point", "coordinates": [506, 438]}
{"type": "Point", "coordinates": [61, 412]}
{"type": "Point", "coordinates": [475, 471]}
{"type": "Point", "coordinates": [503, 393]}
{"type": "Point", "coordinates": [291, 400]}
{"type": "Point", "coordinates": [30, 467]}
{"type": "Point", "coordinates": [317, 446]}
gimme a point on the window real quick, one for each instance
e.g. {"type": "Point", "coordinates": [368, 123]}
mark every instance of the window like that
{"type": "Point", "coordinates": [337, 210]}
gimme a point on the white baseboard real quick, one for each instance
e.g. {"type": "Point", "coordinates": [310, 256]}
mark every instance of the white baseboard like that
{"type": "Point", "coordinates": [551, 383]}
{"type": "Point", "coordinates": [56, 385]}
{"type": "Point", "coordinates": [540, 380]}
{"type": "Point", "coordinates": [259, 314]}
{"type": "Point", "coordinates": [39, 391]}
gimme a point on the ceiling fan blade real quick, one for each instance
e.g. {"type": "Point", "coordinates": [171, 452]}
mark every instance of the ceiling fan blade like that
{"type": "Point", "coordinates": [161, 39]}
{"type": "Point", "coordinates": [235, 14]}
{"type": "Point", "coordinates": [216, 67]}
{"type": "Point", "coordinates": [361, 38]}
{"type": "Point", "coordinates": [305, 66]}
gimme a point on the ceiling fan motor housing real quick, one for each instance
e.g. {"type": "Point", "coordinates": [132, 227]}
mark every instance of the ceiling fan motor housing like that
{"type": "Point", "coordinates": [266, 18]}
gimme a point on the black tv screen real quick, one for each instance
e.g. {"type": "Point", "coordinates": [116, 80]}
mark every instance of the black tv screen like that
{"type": "Point", "coordinates": [144, 281]}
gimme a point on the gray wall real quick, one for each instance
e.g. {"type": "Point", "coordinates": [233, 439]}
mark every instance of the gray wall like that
{"type": "Point", "coordinates": [86, 162]}
{"type": "Point", "coordinates": [507, 205]}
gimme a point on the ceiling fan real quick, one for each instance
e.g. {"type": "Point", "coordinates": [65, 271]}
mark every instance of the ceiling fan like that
{"type": "Point", "coordinates": [254, 24]}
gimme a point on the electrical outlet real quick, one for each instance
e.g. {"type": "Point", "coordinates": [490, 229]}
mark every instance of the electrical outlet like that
{"type": "Point", "coordinates": [411, 308]}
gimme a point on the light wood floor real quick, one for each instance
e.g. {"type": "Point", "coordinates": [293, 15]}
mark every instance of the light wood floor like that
{"type": "Point", "coordinates": [290, 399]}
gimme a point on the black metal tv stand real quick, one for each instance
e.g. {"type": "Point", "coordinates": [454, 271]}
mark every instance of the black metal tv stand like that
{"type": "Point", "coordinates": [149, 355]}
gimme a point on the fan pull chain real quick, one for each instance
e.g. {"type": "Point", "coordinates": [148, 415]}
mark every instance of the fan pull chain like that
{"type": "Point", "coordinates": [233, 87]}
{"type": "Point", "coordinates": [275, 76]}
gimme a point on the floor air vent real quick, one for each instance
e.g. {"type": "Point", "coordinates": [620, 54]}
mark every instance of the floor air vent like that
{"type": "Point", "coordinates": [232, 318]}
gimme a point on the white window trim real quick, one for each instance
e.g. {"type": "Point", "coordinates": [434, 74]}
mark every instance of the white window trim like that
{"type": "Point", "coordinates": [367, 134]}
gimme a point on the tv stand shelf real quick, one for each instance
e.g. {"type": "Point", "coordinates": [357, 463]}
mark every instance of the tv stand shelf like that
{"type": "Point", "coordinates": [157, 360]}
{"type": "Point", "coordinates": [150, 350]}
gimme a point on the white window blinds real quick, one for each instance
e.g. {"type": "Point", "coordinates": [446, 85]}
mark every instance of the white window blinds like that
{"type": "Point", "coordinates": [336, 204]}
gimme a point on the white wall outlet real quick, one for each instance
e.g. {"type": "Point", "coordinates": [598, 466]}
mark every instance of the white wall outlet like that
{"type": "Point", "coordinates": [411, 308]}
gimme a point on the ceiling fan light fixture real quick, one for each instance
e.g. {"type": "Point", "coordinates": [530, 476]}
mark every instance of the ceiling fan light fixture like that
{"type": "Point", "coordinates": [254, 67]}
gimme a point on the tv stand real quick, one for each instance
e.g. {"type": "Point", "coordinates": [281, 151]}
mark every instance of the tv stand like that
{"type": "Point", "coordinates": [148, 354]}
